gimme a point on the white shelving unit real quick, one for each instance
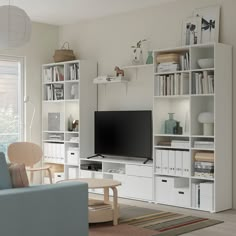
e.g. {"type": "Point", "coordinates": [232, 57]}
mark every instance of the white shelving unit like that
{"type": "Point", "coordinates": [176, 189]}
{"type": "Point", "coordinates": [68, 89]}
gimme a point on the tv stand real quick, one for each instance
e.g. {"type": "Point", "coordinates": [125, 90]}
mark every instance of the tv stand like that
{"type": "Point", "coordinates": [97, 155]}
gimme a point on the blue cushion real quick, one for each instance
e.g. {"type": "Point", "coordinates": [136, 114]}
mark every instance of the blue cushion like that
{"type": "Point", "coordinates": [5, 178]}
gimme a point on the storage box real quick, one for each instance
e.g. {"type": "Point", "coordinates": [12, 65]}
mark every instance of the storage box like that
{"type": "Point", "coordinates": [182, 197]}
{"type": "Point", "coordinates": [73, 156]}
{"type": "Point", "coordinates": [165, 190]}
{"type": "Point", "coordinates": [207, 196]}
{"type": "Point", "coordinates": [59, 176]}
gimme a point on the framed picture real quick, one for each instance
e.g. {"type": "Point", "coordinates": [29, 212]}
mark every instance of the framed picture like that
{"type": "Point", "coordinates": [58, 91]}
{"type": "Point", "coordinates": [191, 30]}
{"type": "Point", "coordinates": [210, 23]}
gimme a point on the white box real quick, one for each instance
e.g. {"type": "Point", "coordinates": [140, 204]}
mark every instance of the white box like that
{"type": "Point", "coordinates": [165, 162]}
{"type": "Point", "coordinates": [73, 156]}
{"type": "Point", "coordinates": [158, 161]}
{"type": "Point", "coordinates": [171, 162]}
{"type": "Point", "coordinates": [207, 196]}
{"type": "Point", "coordinates": [182, 197]}
{"type": "Point", "coordinates": [179, 163]}
{"type": "Point", "coordinates": [58, 176]}
{"type": "Point", "coordinates": [164, 190]}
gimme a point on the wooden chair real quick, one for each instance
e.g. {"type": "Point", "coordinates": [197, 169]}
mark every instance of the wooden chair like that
{"type": "Point", "coordinates": [28, 154]}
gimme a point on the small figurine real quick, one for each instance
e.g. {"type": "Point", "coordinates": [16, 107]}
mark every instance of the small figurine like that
{"type": "Point", "coordinates": [119, 72]}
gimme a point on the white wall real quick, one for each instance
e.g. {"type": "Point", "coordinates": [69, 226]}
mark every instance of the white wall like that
{"type": "Point", "coordinates": [108, 41]}
{"type": "Point", "coordinates": [39, 50]}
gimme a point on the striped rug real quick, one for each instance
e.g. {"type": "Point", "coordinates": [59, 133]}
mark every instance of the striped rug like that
{"type": "Point", "coordinates": [135, 219]}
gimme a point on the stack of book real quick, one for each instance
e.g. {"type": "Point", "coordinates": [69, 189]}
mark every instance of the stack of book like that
{"type": "Point", "coordinates": [53, 74]}
{"type": "Point", "coordinates": [54, 92]}
{"type": "Point", "coordinates": [203, 83]}
{"type": "Point", "coordinates": [180, 144]}
{"type": "Point", "coordinates": [168, 67]}
{"type": "Point", "coordinates": [204, 164]}
{"type": "Point", "coordinates": [204, 144]}
{"type": "Point", "coordinates": [74, 72]}
{"type": "Point", "coordinates": [175, 84]}
{"type": "Point", "coordinates": [203, 195]}
{"type": "Point", "coordinates": [184, 61]}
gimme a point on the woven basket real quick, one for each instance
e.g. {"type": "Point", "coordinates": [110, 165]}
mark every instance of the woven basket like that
{"type": "Point", "coordinates": [64, 54]}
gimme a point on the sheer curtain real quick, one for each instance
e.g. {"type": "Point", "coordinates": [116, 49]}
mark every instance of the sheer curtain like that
{"type": "Point", "coordinates": [11, 101]}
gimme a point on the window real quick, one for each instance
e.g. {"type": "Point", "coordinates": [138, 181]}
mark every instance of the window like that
{"type": "Point", "coordinates": [11, 101]}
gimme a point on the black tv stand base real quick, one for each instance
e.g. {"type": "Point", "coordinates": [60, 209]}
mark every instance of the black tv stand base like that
{"type": "Point", "coordinates": [146, 161]}
{"type": "Point", "coordinates": [97, 155]}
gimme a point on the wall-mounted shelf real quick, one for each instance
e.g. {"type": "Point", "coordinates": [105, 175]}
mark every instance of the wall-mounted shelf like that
{"type": "Point", "coordinates": [137, 66]}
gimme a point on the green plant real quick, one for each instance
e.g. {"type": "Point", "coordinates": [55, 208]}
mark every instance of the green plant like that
{"type": "Point", "coordinates": [139, 43]}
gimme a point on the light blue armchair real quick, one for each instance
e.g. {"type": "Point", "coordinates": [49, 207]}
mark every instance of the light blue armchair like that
{"type": "Point", "coordinates": [46, 210]}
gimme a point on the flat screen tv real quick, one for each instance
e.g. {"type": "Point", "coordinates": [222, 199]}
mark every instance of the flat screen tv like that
{"type": "Point", "coordinates": [124, 133]}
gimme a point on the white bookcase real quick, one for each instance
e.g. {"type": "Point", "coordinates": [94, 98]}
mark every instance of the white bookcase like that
{"type": "Point", "coordinates": [175, 180]}
{"type": "Point", "coordinates": [68, 91]}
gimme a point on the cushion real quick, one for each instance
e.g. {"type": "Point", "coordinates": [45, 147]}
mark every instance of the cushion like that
{"type": "Point", "coordinates": [19, 176]}
{"type": "Point", "coordinates": [5, 178]}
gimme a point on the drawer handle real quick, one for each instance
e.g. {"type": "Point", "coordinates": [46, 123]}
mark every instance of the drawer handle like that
{"type": "Point", "coordinates": [163, 180]}
{"type": "Point", "coordinates": [181, 192]}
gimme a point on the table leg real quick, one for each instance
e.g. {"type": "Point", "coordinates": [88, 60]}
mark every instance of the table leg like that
{"type": "Point", "coordinates": [115, 205]}
{"type": "Point", "coordinates": [106, 195]}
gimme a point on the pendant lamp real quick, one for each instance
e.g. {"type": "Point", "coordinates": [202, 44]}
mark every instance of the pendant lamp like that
{"type": "Point", "coordinates": [15, 27]}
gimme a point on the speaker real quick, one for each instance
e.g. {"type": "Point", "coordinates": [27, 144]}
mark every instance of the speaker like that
{"type": "Point", "coordinates": [56, 121]}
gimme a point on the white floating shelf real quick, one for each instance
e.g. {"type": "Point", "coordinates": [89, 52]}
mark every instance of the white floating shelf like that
{"type": "Point", "coordinates": [113, 80]}
{"type": "Point", "coordinates": [137, 66]}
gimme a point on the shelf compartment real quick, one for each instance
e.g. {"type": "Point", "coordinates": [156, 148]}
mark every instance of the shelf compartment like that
{"type": "Point", "coordinates": [201, 52]}
{"type": "Point", "coordinates": [162, 107]}
{"type": "Point", "coordinates": [200, 104]}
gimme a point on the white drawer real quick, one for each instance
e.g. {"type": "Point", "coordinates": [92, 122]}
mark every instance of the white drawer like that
{"type": "Point", "coordinates": [182, 197]}
{"type": "Point", "coordinates": [136, 170]}
{"type": "Point", "coordinates": [85, 174]}
{"type": "Point", "coordinates": [138, 187]}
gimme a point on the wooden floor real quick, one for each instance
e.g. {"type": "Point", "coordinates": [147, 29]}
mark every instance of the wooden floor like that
{"type": "Point", "coordinates": [228, 228]}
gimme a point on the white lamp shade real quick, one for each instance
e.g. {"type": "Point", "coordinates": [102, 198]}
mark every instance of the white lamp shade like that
{"type": "Point", "coordinates": [206, 117]}
{"type": "Point", "coordinates": [15, 27]}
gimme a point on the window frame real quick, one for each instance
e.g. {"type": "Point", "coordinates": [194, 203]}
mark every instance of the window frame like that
{"type": "Point", "coordinates": [21, 83]}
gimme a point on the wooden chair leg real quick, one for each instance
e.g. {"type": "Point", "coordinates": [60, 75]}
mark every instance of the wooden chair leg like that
{"type": "Point", "coordinates": [50, 175]}
{"type": "Point", "coordinates": [31, 177]}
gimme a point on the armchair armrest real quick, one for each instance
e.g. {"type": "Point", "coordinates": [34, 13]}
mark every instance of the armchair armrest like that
{"type": "Point", "coordinates": [46, 210]}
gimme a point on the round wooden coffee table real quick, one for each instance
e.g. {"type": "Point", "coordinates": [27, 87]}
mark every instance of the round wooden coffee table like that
{"type": "Point", "coordinates": [102, 211]}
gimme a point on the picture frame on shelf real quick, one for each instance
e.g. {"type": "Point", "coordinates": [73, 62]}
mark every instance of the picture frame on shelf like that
{"type": "Point", "coordinates": [210, 24]}
{"type": "Point", "coordinates": [58, 91]}
{"type": "Point", "coordinates": [191, 33]}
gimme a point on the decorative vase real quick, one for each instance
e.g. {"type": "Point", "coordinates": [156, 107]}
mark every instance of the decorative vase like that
{"type": "Point", "coordinates": [170, 124]}
{"type": "Point", "coordinates": [149, 58]}
{"type": "Point", "coordinates": [137, 56]}
{"type": "Point", "coordinates": [178, 129]}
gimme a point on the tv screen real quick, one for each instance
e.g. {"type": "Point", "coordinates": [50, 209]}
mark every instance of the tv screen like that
{"type": "Point", "coordinates": [124, 133]}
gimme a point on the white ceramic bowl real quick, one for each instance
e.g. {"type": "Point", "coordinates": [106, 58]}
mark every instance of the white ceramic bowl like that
{"type": "Point", "coordinates": [206, 63]}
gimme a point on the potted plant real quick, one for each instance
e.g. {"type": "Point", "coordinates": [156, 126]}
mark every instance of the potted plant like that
{"type": "Point", "coordinates": [137, 53]}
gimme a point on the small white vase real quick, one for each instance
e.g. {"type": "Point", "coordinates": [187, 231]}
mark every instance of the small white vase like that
{"type": "Point", "coordinates": [137, 56]}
